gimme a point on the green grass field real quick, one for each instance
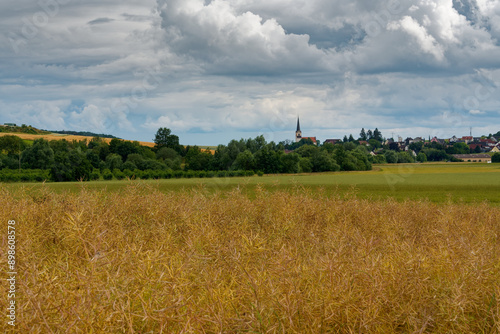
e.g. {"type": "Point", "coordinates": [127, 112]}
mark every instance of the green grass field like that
{"type": "Point", "coordinates": [469, 183]}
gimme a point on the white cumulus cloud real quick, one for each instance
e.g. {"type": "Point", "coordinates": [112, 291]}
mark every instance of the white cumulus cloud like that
{"type": "Point", "coordinates": [427, 42]}
{"type": "Point", "coordinates": [216, 34]}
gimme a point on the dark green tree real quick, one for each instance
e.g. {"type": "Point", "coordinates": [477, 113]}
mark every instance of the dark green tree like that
{"type": "Point", "coordinates": [290, 163]}
{"type": "Point", "coordinates": [136, 159]}
{"type": "Point", "coordinates": [323, 162]}
{"type": "Point", "coordinates": [421, 157]}
{"type": "Point", "coordinates": [349, 146]}
{"type": "Point", "coordinates": [416, 146]}
{"type": "Point", "coordinates": [267, 160]}
{"type": "Point", "coordinates": [377, 135]}
{"type": "Point", "coordinates": [12, 145]}
{"type": "Point", "coordinates": [329, 147]}
{"type": "Point", "coordinates": [38, 156]}
{"type": "Point", "coordinates": [124, 148]}
{"type": "Point", "coordinates": [244, 161]}
{"type": "Point", "coordinates": [166, 153]}
{"type": "Point", "coordinates": [307, 151]}
{"type": "Point", "coordinates": [362, 135]}
{"type": "Point", "coordinates": [374, 144]}
{"type": "Point", "coordinates": [435, 154]}
{"type": "Point", "coordinates": [198, 160]}
{"type": "Point", "coordinates": [405, 157]}
{"type": "Point", "coordinates": [93, 158]}
{"type": "Point", "coordinates": [221, 160]}
{"type": "Point", "coordinates": [114, 161]}
{"type": "Point", "coordinates": [71, 165]}
{"type": "Point", "coordinates": [305, 165]}
{"type": "Point", "coordinates": [391, 157]}
{"type": "Point", "coordinates": [458, 148]}
{"type": "Point", "coordinates": [165, 138]}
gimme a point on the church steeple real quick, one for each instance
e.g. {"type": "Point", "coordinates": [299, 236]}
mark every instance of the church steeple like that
{"type": "Point", "coordinates": [298, 133]}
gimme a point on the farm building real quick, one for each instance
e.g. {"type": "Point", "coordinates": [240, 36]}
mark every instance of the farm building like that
{"type": "Point", "coordinates": [473, 157]}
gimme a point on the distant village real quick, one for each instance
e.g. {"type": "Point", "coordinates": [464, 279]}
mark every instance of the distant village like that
{"type": "Point", "coordinates": [475, 144]}
{"type": "Point", "coordinates": [478, 147]}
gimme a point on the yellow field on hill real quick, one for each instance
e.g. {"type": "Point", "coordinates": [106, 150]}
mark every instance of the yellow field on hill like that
{"type": "Point", "coordinates": [142, 261]}
{"type": "Point", "coordinates": [55, 136]}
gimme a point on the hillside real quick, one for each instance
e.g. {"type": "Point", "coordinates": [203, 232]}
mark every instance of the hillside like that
{"type": "Point", "coordinates": [31, 133]}
{"type": "Point", "coordinates": [28, 129]}
{"type": "Point", "coordinates": [54, 136]}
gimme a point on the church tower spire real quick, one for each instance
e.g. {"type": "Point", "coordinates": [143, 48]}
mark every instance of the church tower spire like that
{"type": "Point", "coordinates": [298, 133]}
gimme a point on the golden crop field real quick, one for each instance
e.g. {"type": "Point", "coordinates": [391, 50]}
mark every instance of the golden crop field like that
{"type": "Point", "coordinates": [55, 136]}
{"type": "Point", "coordinates": [144, 261]}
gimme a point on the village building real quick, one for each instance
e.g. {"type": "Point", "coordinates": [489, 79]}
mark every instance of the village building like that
{"type": "Point", "coordinates": [298, 134]}
{"type": "Point", "coordinates": [437, 140]}
{"type": "Point", "coordinates": [474, 146]}
{"type": "Point", "coordinates": [332, 141]}
{"type": "Point", "coordinates": [417, 140]}
{"type": "Point", "coordinates": [467, 139]}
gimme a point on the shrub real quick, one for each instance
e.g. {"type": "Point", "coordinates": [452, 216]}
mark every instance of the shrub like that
{"type": "Point", "coordinates": [157, 174]}
{"type": "Point", "coordinates": [146, 174]}
{"type": "Point", "coordinates": [118, 174]}
{"type": "Point", "coordinates": [107, 175]}
{"type": "Point", "coordinates": [128, 173]}
{"type": "Point", "coordinates": [260, 173]}
{"type": "Point", "coordinates": [495, 158]}
{"type": "Point", "coordinates": [95, 175]}
{"type": "Point", "coordinates": [137, 174]}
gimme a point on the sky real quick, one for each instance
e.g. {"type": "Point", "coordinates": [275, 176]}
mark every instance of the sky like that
{"type": "Point", "coordinates": [212, 71]}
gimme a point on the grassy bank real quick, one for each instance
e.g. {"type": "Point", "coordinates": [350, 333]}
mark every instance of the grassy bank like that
{"type": "Point", "coordinates": [144, 261]}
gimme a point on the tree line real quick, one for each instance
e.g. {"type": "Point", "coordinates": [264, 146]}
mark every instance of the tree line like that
{"type": "Point", "coordinates": [62, 160]}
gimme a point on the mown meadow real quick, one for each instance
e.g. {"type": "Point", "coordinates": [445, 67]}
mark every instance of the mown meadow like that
{"type": "Point", "coordinates": [258, 255]}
